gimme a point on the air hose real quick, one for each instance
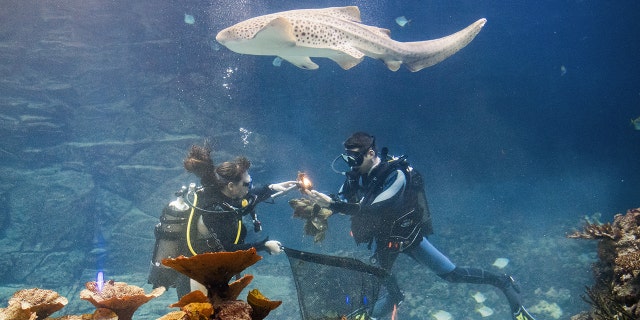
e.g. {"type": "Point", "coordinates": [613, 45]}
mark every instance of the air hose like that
{"type": "Point", "coordinates": [193, 209]}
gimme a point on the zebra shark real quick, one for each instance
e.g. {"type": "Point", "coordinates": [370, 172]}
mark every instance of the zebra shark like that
{"type": "Point", "coordinates": [338, 34]}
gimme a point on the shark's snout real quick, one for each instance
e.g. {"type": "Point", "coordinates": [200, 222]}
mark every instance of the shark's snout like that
{"type": "Point", "coordinates": [221, 36]}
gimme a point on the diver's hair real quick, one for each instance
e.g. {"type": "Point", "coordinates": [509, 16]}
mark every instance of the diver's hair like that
{"type": "Point", "coordinates": [361, 141]}
{"type": "Point", "coordinates": [231, 171]}
{"type": "Point", "coordinates": [199, 162]}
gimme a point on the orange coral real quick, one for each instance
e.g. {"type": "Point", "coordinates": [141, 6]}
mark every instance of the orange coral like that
{"type": "Point", "coordinates": [195, 296]}
{"type": "Point", "coordinates": [104, 314]}
{"type": "Point", "coordinates": [174, 315]}
{"type": "Point", "coordinates": [199, 310]}
{"type": "Point", "coordinates": [121, 298]}
{"type": "Point", "coordinates": [260, 304]}
{"type": "Point", "coordinates": [194, 305]}
{"type": "Point", "coordinates": [214, 270]}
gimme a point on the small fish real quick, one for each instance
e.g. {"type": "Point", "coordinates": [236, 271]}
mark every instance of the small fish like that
{"type": "Point", "coordinates": [479, 297]}
{"type": "Point", "coordinates": [563, 70]}
{"type": "Point", "coordinates": [501, 263]}
{"type": "Point", "coordinates": [277, 62]}
{"type": "Point", "coordinates": [442, 315]}
{"type": "Point", "coordinates": [485, 311]}
{"type": "Point", "coordinates": [189, 19]}
{"type": "Point", "coordinates": [636, 123]}
{"type": "Point", "coordinates": [98, 251]}
{"type": "Point", "coordinates": [402, 21]}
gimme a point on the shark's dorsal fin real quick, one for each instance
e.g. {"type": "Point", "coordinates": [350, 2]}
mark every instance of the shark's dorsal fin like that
{"type": "Point", "coordinates": [277, 33]}
{"type": "Point", "coordinates": [350, 13]}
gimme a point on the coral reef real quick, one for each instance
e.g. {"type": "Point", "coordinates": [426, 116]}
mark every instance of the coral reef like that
{"type": "Point", "coordinates": [119, 301]}
{"type": "Point", "coordinates": [260, 304]}
{"type": "Point", "coordinates": [113, 300]}
{"type": "Point", "coordinates": [119, 297]}
{"type": "Point", "coordinates": [194, 305]}
{"type": "Point", "coordinates": [595, 231]}
{"type": "Point", "coordinates": [214, 271]}
{"type": "Point", "coordinates": [616, 293]}
{"type": "Point", "coordinates": [33, 304]}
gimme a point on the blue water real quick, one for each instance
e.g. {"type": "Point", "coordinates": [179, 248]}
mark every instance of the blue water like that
{"type": "Point", "coordinates": [519, 135]}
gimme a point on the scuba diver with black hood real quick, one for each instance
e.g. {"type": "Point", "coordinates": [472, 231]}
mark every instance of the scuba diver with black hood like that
{"type": "Point", "coordinates": [210, 218]}
{"type": "Point", "coordinates": [386, 201]}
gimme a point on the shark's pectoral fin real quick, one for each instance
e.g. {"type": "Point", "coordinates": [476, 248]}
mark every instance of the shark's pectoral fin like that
{"type": "Point", "coordinates": [347, 57]}
{"type": "Point", "coordinates": [301, 62]}
{"type": "Point", "coordinates": [277, 33]}
{"type": "Point", "coordinates": [393, 65]}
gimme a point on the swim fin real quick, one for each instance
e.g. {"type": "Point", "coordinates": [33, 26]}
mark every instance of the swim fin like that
{"type": "Point", "coordinates": [522, 314]}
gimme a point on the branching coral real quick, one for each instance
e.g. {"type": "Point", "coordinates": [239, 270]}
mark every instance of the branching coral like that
{"type": "Point", "coordinates": [616, 294]}
{"type": "Point", "coordinates": [595, 231]}
{"type": "Point", "coordinates": [604, 306]}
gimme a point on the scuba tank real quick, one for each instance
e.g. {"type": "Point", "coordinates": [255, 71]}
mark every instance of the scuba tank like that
{"type": "Point", "coordinates": [170, 240]}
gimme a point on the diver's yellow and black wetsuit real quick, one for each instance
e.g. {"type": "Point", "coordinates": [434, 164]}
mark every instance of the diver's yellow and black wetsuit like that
{"type": "Point", "coordinates": [221, 217]}
{"type": "Point", "coordinates": [212, 222]}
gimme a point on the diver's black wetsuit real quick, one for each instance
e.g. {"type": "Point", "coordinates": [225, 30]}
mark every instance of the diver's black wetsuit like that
{"type": "Point", "coordinates": [222, 216]}
{"type": "Point", "coordinates": [388, 209]}
{"type": "Point", "coordinates": [225, 230]}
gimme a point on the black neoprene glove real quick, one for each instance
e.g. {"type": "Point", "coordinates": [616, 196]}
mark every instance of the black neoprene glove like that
{"type": "Point", "coordinates": [260, 245]}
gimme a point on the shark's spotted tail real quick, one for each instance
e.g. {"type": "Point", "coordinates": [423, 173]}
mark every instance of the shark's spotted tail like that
{"type": "Point", "coordinates": [427, 53]}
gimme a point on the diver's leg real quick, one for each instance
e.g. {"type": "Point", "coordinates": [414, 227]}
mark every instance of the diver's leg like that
{"type": "Point", "coordinates": [425, 253]}
{"type": "Point", "coordinates": [183, 285]}
{"type": "Point", "coordinates": [390, 296]}
{"type": "Point", "coordinates": [390, 293]}
{"type": "Point", "coordinates": [480, 276]}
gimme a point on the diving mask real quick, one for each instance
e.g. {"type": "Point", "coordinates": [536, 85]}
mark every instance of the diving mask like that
{"type": "Point", "coordinates": [354, 158]}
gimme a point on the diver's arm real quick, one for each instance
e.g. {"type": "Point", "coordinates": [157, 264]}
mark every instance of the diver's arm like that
{"type": "Point", "coordinates": [272, 190]}
{"type": "Point", "coordinates": [336, 205]}
{"type": "Point", "coordinates": [345, 207]}
{"type": "Point", "coordinates": [262, 193]}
